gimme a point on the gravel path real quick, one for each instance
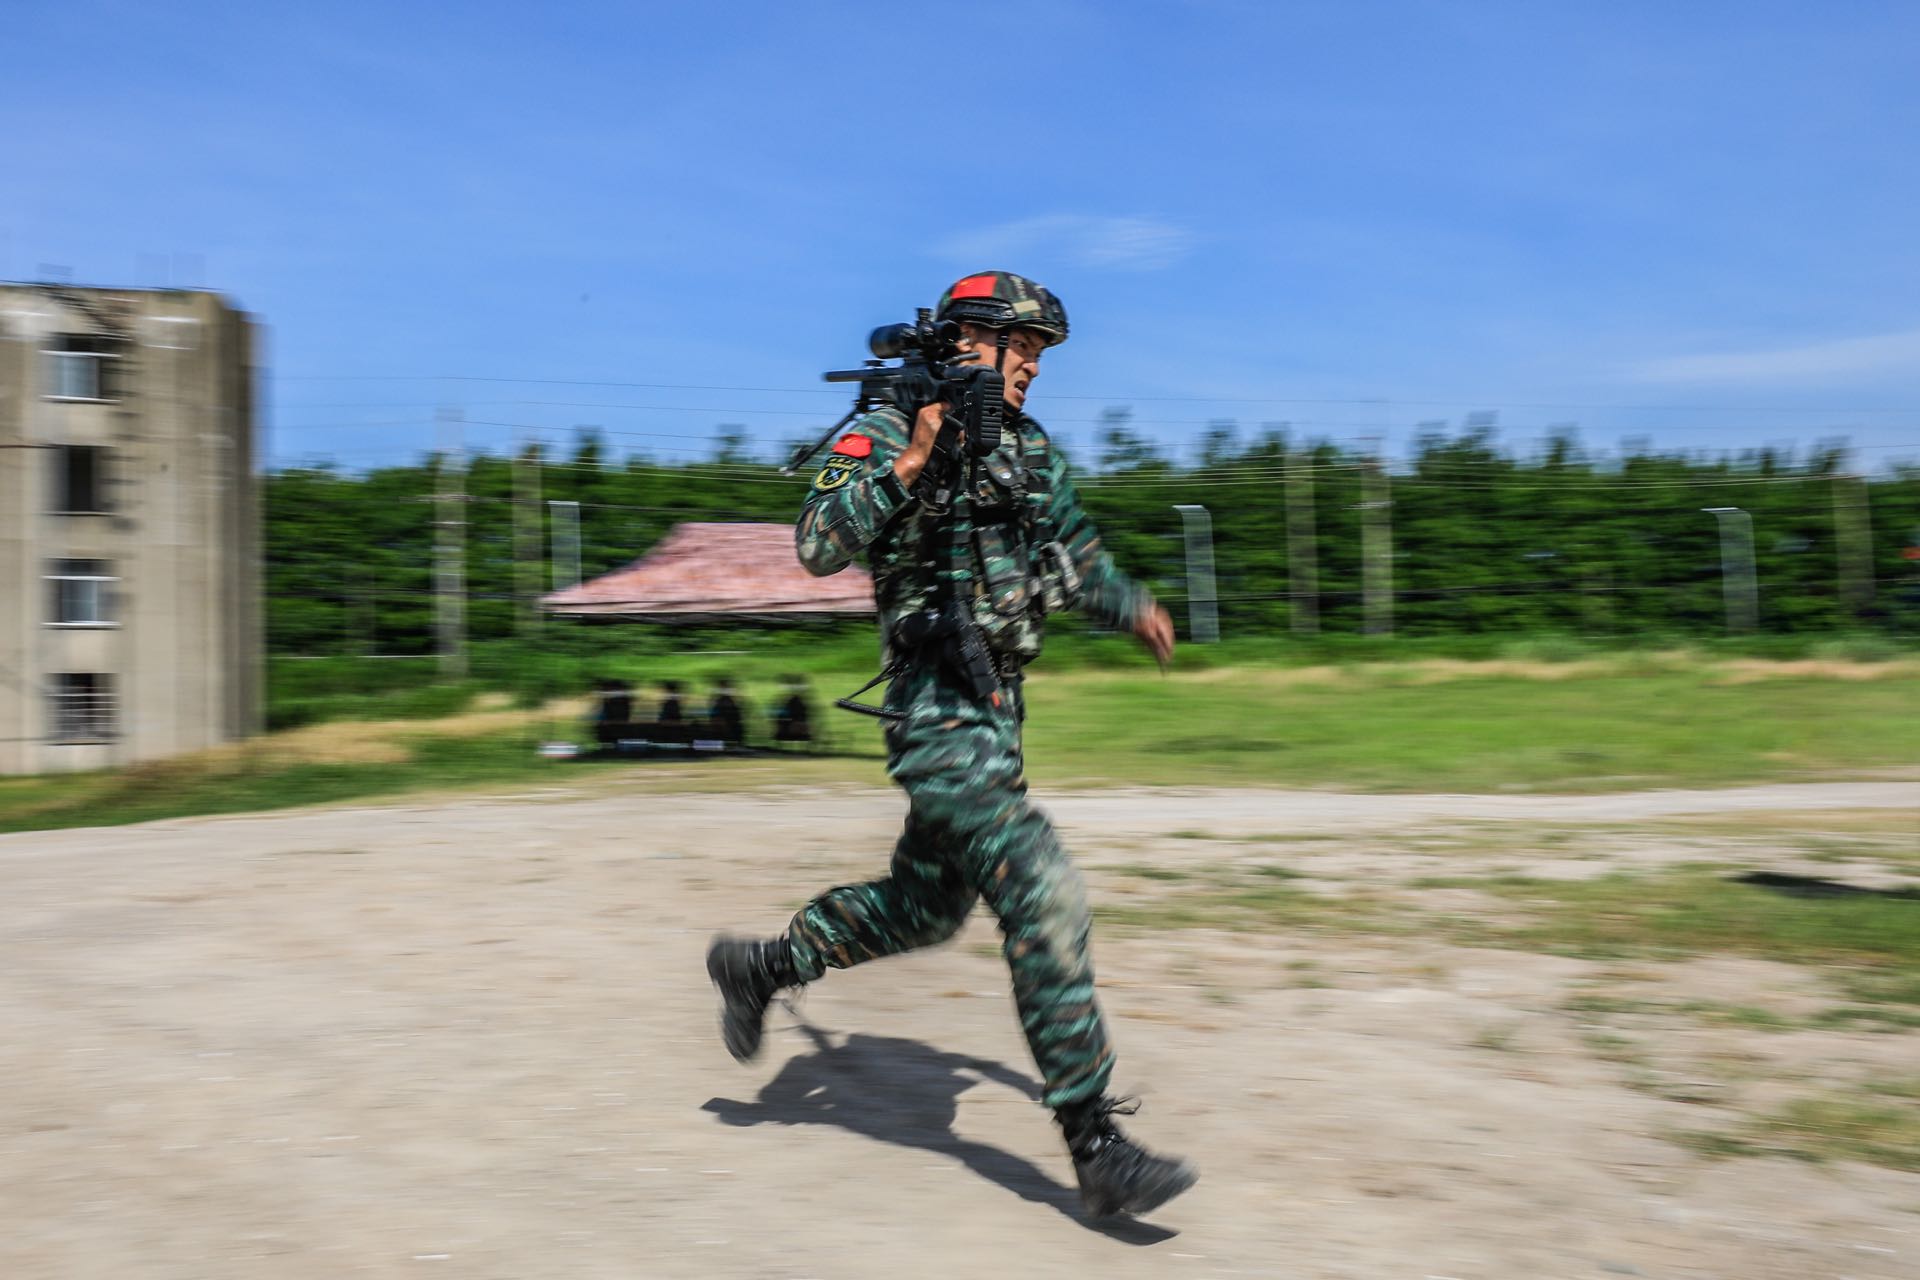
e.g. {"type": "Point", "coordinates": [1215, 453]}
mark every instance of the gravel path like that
{"type": "Point", "coordinates": [473, 1038]}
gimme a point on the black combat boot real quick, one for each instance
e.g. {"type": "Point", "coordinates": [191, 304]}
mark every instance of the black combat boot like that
{"type": "Point", "coordinates": [747, 975]}
{"type": "Point", "coordinates": [1116, 1175]}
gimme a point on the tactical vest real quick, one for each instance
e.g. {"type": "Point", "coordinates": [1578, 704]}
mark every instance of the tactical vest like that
{"type": "Point", "coordinates": [1018, 571]}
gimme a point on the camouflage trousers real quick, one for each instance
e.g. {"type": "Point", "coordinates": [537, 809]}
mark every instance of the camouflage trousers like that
{"type": "Point", "coordinates": [970, 834]}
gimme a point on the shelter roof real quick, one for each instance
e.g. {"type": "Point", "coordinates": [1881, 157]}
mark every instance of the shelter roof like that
{"type": "Point", "coordinates": [705, 568]}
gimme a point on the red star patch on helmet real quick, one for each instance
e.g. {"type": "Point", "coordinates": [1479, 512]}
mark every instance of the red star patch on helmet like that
{"type": "Point", "coordinates": [974, 287]}
{"type": "Point", "coordinates": [855, 446]}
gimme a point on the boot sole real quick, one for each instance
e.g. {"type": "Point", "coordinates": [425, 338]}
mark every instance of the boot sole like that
{"type": "Point", "coordinates": [1146, 1201]}
{"type": "Point", "coordinates": [742, 1043]}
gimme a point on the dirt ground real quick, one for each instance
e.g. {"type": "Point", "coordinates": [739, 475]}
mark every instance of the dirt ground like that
{"type": "Point", "coordinates": [473, 1037]}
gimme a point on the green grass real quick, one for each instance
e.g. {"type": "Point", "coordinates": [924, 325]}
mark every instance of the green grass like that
{"type": "Point", "coordinates": [1878, 1123]}
{"type": "Point", "coordinates": [1497, 1039]}
{"type": "Point", "coordinates": [1258, 899]}
{"type": "Point", "coordinates": [1686, 912]}
{"type": "Point", "coordinates": [1148, 871]}
{"type": "Point", "coordinates": [1277, 873]}
{"type": "Point", "coordinates": [411, 702]}
{"type": "Point", "coordinates": [1715, 1011]}
{"type": "Point", "coordinates": [1374, 728]}
{"type": "Point", "coordinates": [1880, 988]}
{"type": "Point", "coordinates": [1750, 1016]}
{"type": "Point", "coordinates": [1866, 1017]}
{"type": "Point", "coordinates": [1870, 944]}
{"type": "Point", "coordinates": [1368, 733]}
{"type": "Point", "coordinates": [1610, 1046]}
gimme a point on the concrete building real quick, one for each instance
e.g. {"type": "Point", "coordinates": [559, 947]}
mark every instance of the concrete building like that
{"type": "Point", "coordinates": [130, 625]}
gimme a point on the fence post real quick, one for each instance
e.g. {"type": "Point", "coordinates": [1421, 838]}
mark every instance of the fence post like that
{"type": "Point", "coordinates": [450, 537]}
{"type": "Point", "coordinates": [1739, 584]}
{"type": "Point", "coordinates": [1376, 547]}
{"type": "Point", "coordinates": [1203, 609]}
{"type": "Point", "coordinates": [566, 543]}
{"type": "Point", "coordinates": [1853, 545]}
{"type": "Point", "coordinates": [1303, 578]}
{"type": "Point", "coordinates": [526, 539]}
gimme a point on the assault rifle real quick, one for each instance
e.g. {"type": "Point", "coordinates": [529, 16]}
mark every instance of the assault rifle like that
{"type": "Point", "coordinates": [949, 635]}
{"type": "Point", "coordinates": [932, 369]}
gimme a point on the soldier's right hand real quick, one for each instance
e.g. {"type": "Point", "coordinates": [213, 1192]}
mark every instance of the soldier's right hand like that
{"type": "Point", "coordinates": [926, 429]}
{"type": "Point", "coordinates": [1155, 630]}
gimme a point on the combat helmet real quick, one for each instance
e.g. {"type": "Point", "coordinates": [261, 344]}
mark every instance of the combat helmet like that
{"type": "Point", "coordinates": [1002, 300]}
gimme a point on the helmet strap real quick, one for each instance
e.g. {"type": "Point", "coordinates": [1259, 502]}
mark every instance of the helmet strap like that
{"type": "Point", "coordinates": [1000, 350]}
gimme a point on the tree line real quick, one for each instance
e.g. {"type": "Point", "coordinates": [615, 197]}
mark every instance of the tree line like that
{"type": "Point", "coordinates": [1461, 536]}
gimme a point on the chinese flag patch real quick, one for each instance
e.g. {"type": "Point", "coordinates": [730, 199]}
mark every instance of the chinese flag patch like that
{"type": "Point", "coordinates": [974, 287]}
{"type": "Point", "coordinates": [855, 446]}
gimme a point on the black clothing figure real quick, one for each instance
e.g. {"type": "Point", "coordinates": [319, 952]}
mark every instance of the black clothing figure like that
{"type": "Point", "coordinates": [793, 722]}
{"type": "Point", "coordinates": [616, 704]}
{"type": "Point", "coordinates": [670, 712]}
{"type": "Point", "coordinates": [725, 718]}
{"type": "Point", "coordinates": [614, 709]}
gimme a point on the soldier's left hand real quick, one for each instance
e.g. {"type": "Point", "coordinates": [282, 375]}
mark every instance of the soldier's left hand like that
{"type": "Point", "coordinates": [1155, 630]}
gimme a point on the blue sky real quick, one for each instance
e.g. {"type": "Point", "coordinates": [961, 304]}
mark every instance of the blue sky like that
{"type": "Point", "coordinates": [1693, 222]}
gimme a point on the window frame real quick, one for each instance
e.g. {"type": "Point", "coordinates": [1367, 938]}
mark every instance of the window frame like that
{"type": "Point", "coordinates": [68, 347]}
{"type": "Point", "coordinates": [105, 599]}
{"type": "Point", "coordinates": [96, 718]}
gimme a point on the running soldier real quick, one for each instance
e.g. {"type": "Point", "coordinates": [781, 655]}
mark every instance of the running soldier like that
{"type": "Point", "coordinates": [970, 832]}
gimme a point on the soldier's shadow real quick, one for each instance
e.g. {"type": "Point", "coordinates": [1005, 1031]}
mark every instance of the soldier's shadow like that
{"type": "Point", "coordinates": [908, 1093]}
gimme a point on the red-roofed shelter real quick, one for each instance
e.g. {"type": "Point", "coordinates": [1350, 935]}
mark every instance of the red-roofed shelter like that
{"type": "Point", "coordinates": [705, 570]}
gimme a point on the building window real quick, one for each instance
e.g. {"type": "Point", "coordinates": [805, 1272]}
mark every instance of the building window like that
{"type": "Point", "coordinates": [83, 709]}
{"type": "Point", "coordinates": [80, 367]}
{"type": "Point", "coordinates": [83, 593]}
{"type": "Point", "coordinates": [79, 479]}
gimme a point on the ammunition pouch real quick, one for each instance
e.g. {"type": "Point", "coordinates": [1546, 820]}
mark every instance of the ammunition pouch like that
{"type": "Point", "coordinates": [1056, 583]}
{"type": "Point", "coordinates": [1004, 569]}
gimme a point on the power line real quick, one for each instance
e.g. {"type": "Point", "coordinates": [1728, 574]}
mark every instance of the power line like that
{"type": "Point", "coordinates": [1478, 402]}
{"type": "Point", "coordinates": [547, 382]}
{"type": "Point", "coordinates": [817, 414]}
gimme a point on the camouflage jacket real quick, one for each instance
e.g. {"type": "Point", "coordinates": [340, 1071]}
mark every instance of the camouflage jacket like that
{"type": "Point", "coordinates": [859, 510]}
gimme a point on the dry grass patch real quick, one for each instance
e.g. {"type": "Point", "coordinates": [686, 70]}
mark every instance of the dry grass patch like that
{"type": "Point", "coordinates": [1447, 670]}
{"type": "Point", "coordinates": [373, 741]}
{"type": "Point", "coordinates": [1752, 670]}
{"type": "Point", "coordinates": [343, 742]}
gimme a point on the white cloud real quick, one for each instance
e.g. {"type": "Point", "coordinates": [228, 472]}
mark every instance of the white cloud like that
{"type": "Point", "coordinates": [1125, 244]}
{"type": "Point", "coordinates": [1843, 357]}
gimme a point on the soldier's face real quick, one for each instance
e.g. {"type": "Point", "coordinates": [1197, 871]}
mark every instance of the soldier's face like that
{"type": "Point", "coordinates": [1022, 364]}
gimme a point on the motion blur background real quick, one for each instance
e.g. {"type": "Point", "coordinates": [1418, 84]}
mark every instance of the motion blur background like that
{"type": "Point", "coordinates": [1517, 406]}
{"type": "Point", "coordinates": [1473, 331]}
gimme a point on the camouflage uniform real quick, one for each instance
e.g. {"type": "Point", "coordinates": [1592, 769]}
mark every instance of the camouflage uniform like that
{"type": "Point", "coordinates": [970, 832]}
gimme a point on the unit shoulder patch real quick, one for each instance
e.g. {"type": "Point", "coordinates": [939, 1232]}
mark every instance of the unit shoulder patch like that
{"type": "Point", "coordinates": [836, 473]}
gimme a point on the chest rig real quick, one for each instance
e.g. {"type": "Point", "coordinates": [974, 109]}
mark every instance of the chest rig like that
{"type": "Point", "coordinates": [999, 552]}
{"type": "Point", "coordinates": [989, 567]}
